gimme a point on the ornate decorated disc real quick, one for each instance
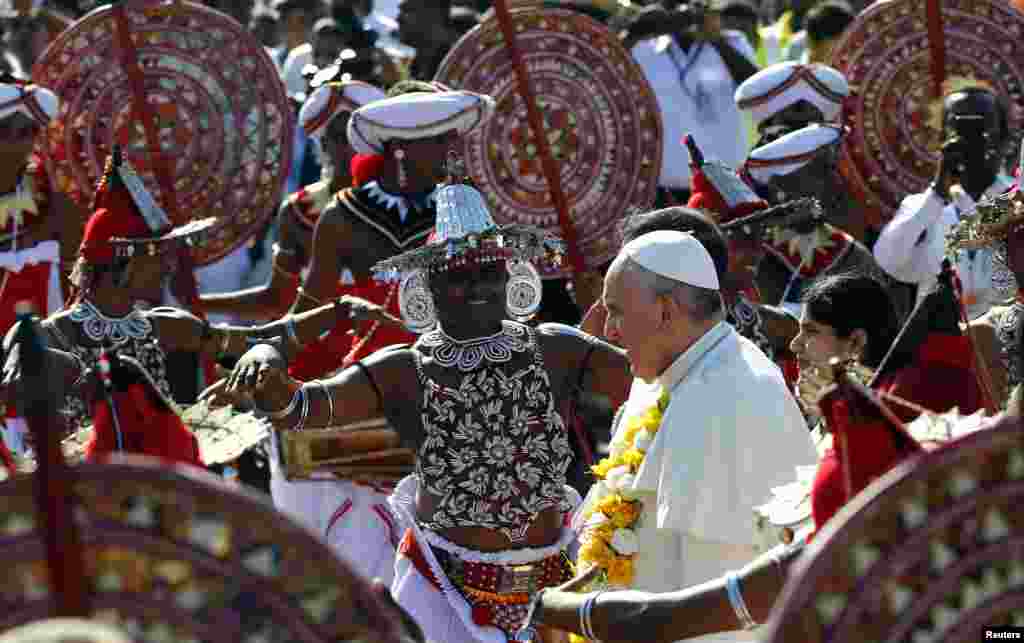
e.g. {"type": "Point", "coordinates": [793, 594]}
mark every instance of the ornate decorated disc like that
{"type": "Point", "coordinates": [222, 116]}
{"type": "Point", "coordinates": [895, 118]}
{"type": "Point", "coordinates": [933, 551]}
{"type": "Point", "coordinates": [174, 555]}
{"type": "Point", "coordinates": [601, 118]}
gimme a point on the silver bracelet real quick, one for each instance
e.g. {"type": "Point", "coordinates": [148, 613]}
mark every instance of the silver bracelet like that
{"type": "Point", "coordinates": [527, 633]}
{"type": "Point", "coordinates": [739, 606]}
{"type": "Point", "coordinates": [304, 414]}
{"type": "Point", "coordinates": [292, 332]}
{"type": "Point", "coordinates": [330, 400]}
{"type": "Point", "coordinates": [286, 411]}
{"type": "Point", "coordinates": [586, 611]}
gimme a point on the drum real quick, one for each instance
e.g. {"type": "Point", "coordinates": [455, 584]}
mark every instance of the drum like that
{"type": "Point", "coordinates": [369, 451]}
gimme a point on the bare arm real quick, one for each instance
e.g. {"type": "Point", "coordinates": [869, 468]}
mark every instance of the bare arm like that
{"type": "Point", "coordinates": [687, 613]}
{"type": "Point", "coordinates": [601, 368]}
{"type": "Point", "coordinates": [274, 298]}
{"type": "Point", "coordinates": [180, 330]}
{"type": "Point", "coordinates": [331, 241]}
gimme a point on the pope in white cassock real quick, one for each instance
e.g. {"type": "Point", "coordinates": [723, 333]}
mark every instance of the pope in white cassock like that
{"type": "Point", "coordinates": [731, 430]}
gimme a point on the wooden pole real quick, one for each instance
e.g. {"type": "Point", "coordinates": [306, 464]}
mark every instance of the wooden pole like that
{"type": "Point", "coordinates": [536, 120]}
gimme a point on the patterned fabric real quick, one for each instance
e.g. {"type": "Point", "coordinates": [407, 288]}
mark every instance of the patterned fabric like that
{"type": "Point", "coordinates": [405, 222]}
{"type": "Point", "coordinates": [145, 351]}
{"type": "Point", "coordinates": [496, 450]}
{"type": "Point", "coordinates": [1008, 332]}
{"type": "Point", "coordinates": [746, 319]}
{"type": "Point", "coordinates": [307, 204]}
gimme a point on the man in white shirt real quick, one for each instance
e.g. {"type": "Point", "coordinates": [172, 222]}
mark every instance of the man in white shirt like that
{"type": "Point", "coordinates": [912, 245]}
{"type": "Point", "coordinates": [694, 68]}
{"type": "Point", "coordinates": [731, 430]}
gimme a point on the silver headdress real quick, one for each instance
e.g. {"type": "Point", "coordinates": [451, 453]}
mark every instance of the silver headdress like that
{"type": "Point", "coordinates": [465, 233]}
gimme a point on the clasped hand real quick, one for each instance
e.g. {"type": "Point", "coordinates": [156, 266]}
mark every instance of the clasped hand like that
{"type": "Point", "coordinates": [260, 378]}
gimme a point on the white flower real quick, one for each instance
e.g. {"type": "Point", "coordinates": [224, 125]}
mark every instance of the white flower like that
{"type": "Point", "coordinates": [600, 489]}
{"type": "Point", "coordinates": [643, 440]}
{"type": "Point", "coordinates": [597, 519]}
{"type": "Point", "coordinates": [616, 449]}
{"type": "Point", "coordinates": [613, 475]}
{"type": "Point", "coordinates": [625, 542]}
{"type": "Point", "coordinates": [625, 483]}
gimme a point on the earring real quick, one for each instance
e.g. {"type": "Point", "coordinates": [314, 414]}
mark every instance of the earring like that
{"type": "Point", "coordinates": [403, 178]}
{"type": "Point", "coordinates": [524, 290]}
{"type": "Point", "coordinates": [415, 303]}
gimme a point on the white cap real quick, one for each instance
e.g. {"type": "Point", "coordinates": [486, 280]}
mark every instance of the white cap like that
{"type": "Point", "coordinates": [676, 255]}
{"type": "Point", "coordinates": [775, 88]}
{"type": "Point", "coordinates": [416, 116]}
{"type": "Point", "coordinates": [331, 99]}
{"type": "Point", "coordinates": [38, 103]}
{"type": "Point", "coordinates": [791, 152]}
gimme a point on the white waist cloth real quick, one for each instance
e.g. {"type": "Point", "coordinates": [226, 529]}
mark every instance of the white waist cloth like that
{"type": "Point", "coordinates": [356, 521]}
{"type": "Point", "coordinates": [445, 615]}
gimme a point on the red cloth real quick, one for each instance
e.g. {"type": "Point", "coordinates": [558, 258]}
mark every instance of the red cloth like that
{"type": "Point", "coordinates": [873, 449]}
{"type": "Point", "coordinates": [940, 378]}
{"type": "Point", "coordinates": [365, 168]}
{"type": "Point", "coordinates": [147, 429]}
{"type": "Point", "coordinates": [704, 196]}
{"type": "Point", "coordinates": [326, 355]}
{"type": "Point", "coordinates": [116, 217]}
{"type": "Point", "coordinates": [6, 459]}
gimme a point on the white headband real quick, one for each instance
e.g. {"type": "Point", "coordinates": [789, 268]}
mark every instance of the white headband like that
{"type": "Point", "coordinates": [775, 88]}
{"type": "Point", "coordinates": [676, 255]}
{"type": "Point", "coordinates": [331, 99]}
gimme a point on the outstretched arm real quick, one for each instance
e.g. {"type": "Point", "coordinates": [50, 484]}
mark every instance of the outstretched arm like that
{"type": "Point", "coordinates": [274, 298]}
{"type": "Point", "coordinates": [687, 613]}
{"type": "Point", "coordinates": [355, 395]}
{"type": "Point", "coordinates": [180, 330]}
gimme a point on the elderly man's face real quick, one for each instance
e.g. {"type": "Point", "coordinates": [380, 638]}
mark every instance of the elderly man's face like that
{"type": "Point", "coordinates": [634, 321]}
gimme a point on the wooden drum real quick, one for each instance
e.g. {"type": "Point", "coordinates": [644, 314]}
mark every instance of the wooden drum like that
{"type": "Point", "coordinates": [368, 451]}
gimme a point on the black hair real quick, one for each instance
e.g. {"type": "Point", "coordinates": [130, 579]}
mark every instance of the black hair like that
{"type": "Point", "coordinates": [827, 21]}
{"type": "Point", "coordinates": [682, 219]}
{"type": "Point", "coordinates": [852, 301]}
{"type": "Point", "coordinates": [1003, 113]}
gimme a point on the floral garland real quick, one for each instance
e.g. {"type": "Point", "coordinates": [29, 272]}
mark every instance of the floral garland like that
{"type": "Point", "coordinates": [609, 540]}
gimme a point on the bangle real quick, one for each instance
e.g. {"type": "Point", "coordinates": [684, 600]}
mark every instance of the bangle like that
{"type": "Point", "coordinates": [330, 400]}
{"type": "Point", "coordinates": [293, 334]}
{"type": "Point", "coordinates": [739, 606]}
{"type": "Point", "coordinates": [527, 633]}
{"type": "Point", "coordinates": [586, 610]}
{"type": "Point", "coordinates": [286, 411]}
{"type": "Point", "coordinates": [225, 343]}
{"type": "Point", "coordinates": [304, 415]}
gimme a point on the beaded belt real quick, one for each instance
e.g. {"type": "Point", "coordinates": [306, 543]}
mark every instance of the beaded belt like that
{"type": "Point", "coordinates": [503, 584]}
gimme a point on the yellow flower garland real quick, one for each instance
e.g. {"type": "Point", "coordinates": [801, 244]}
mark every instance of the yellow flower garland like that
{"type": "Point", "coordinates": [620, 513]}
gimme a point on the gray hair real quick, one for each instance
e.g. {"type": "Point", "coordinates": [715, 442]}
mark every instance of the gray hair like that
{"type": "Point", "coordinates": [703, 304]}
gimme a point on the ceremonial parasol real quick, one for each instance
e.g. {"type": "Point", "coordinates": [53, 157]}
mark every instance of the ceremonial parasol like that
{"type": "Point", "coordinates": [193, 98]}
{"type": "Point", "coordinates": [900, 57]}
{"type": "Point", "coordinates": [165, 554]}
{"type": "Point", "coordinates": [567, 78]}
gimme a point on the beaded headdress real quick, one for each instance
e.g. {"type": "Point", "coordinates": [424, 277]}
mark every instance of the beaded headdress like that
{"type": "Point", "coordinates": [465, 233]}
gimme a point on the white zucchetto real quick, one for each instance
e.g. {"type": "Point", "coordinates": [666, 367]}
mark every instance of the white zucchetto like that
{"type": "Point", "coordinates": [676, 255]}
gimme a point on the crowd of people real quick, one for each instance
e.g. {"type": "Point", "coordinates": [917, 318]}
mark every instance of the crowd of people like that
{"type": "Point", "coordinates": [747, 311]}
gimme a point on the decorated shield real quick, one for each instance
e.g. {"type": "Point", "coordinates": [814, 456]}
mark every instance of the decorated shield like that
{"type": "Point", "coordinates": [932, 551]}
{"type": "Point", "coordinates": [175, 555]}
{"type": "Point", "coordinates": [600, 116]}
{"type": "Point", "coordinates": [895, 117]}
{"type": "Point", "coordinates": [213, 104]}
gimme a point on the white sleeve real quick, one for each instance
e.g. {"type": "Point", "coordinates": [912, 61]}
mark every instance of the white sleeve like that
{"type": "Point", "coordinates": [907, 248]}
